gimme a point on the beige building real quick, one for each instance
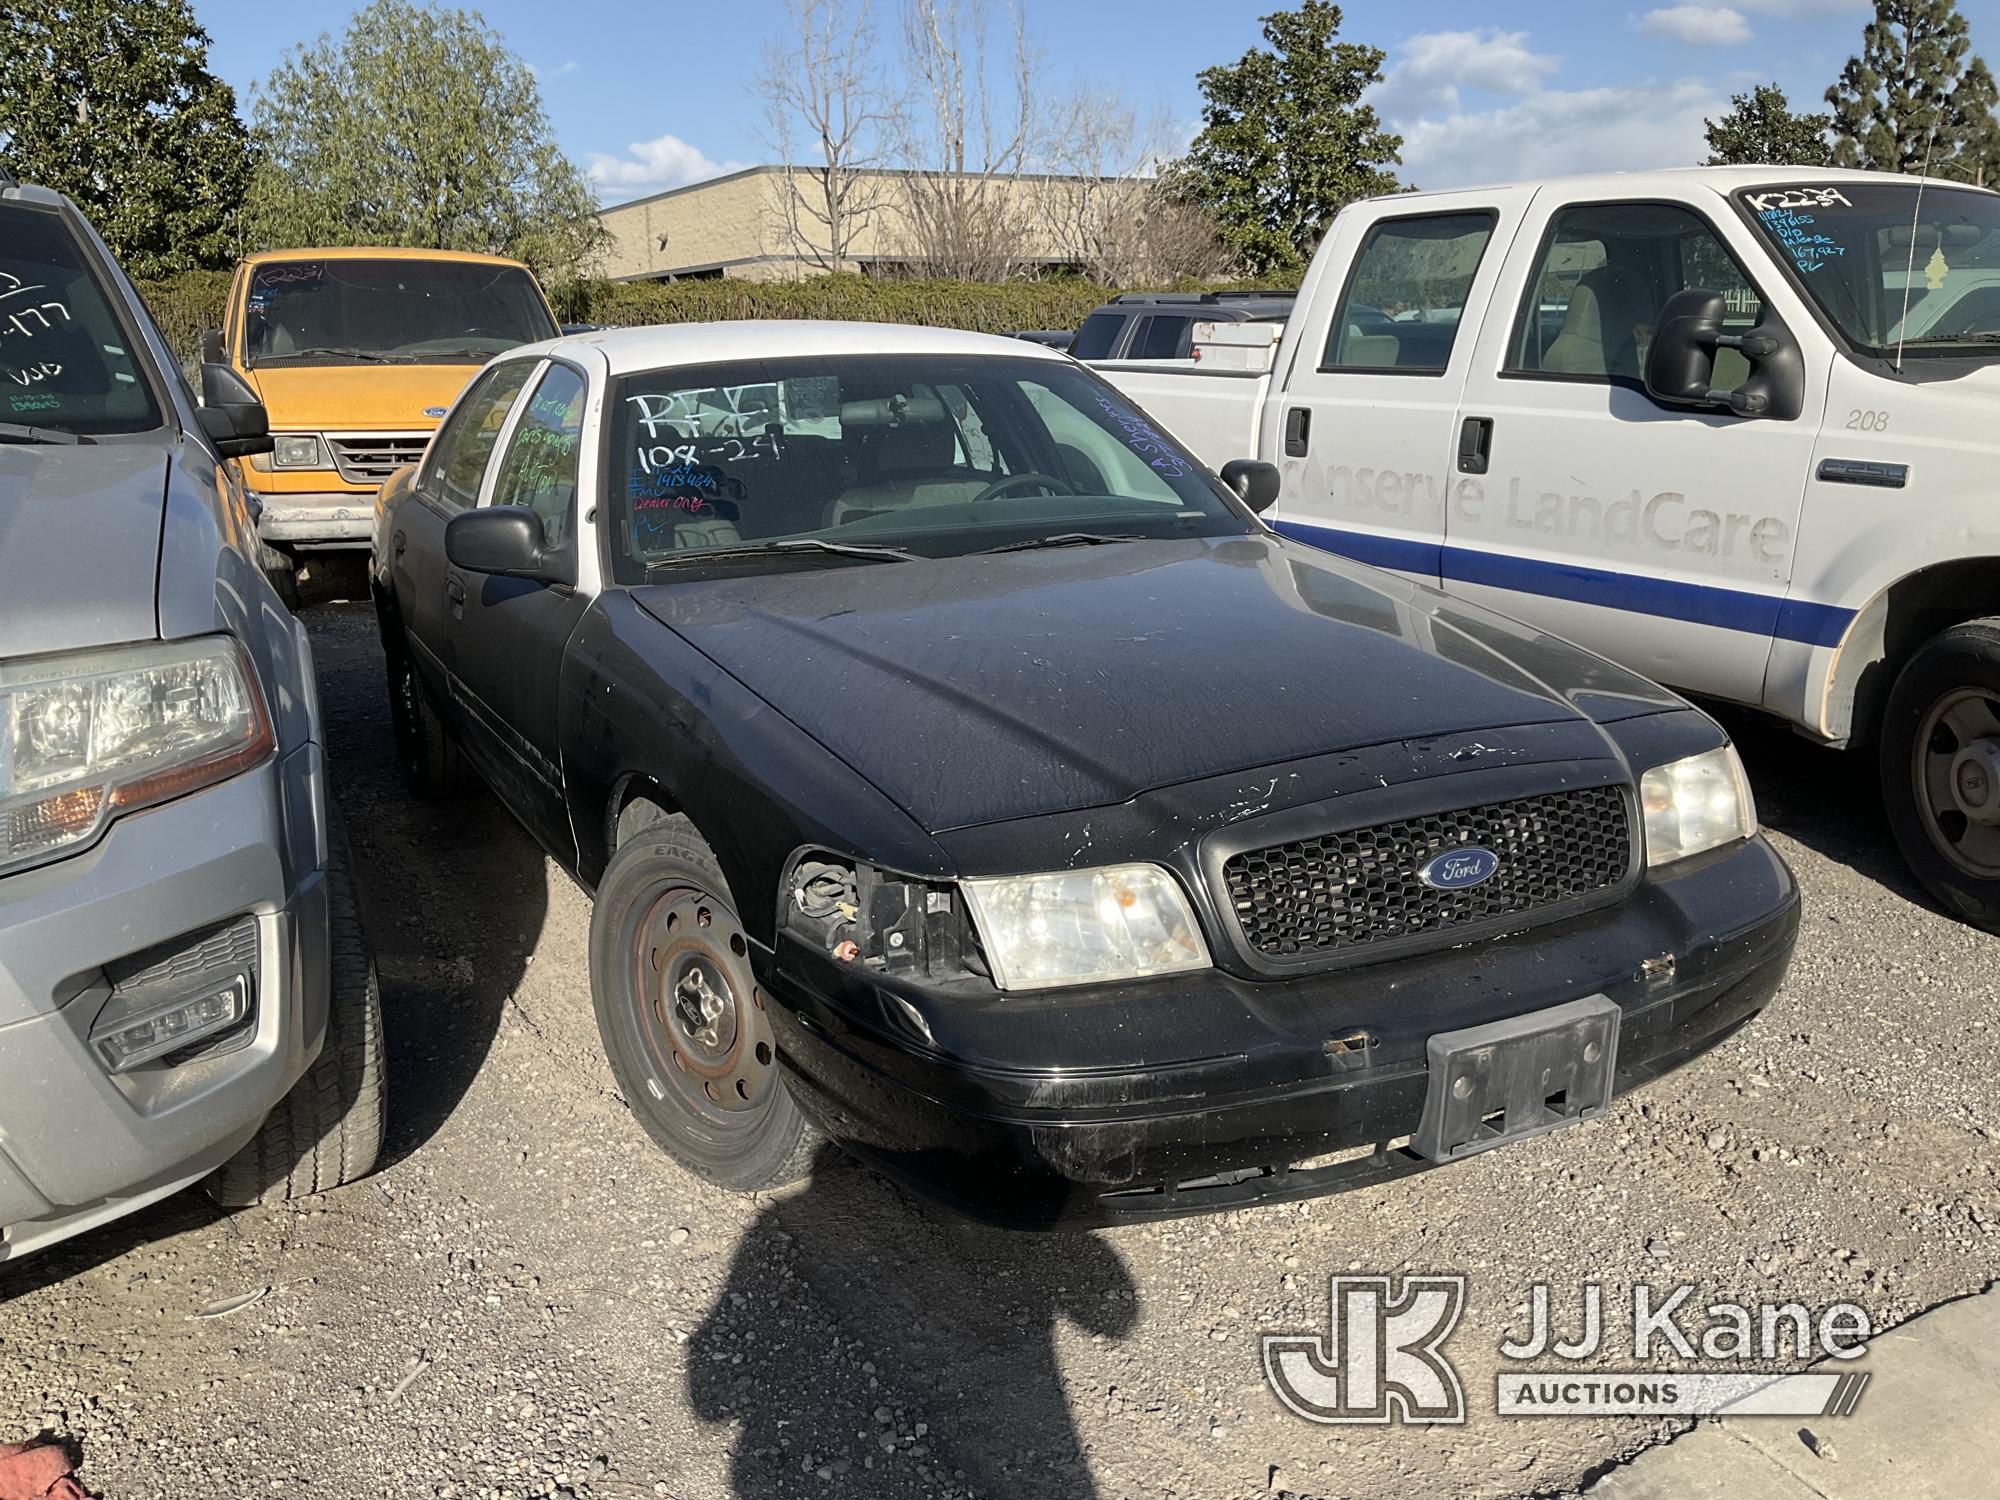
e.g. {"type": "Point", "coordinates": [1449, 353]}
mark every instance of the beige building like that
{"type": "Point", "coordinates": [737, 226]}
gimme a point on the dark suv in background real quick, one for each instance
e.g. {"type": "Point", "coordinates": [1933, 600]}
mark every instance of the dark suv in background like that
{"type": "Point", "coordinates": [1160, 325]}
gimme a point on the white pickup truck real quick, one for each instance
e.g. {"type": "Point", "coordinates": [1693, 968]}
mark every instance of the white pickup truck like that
{"type": "Point", "coordinates": [1736, 427]}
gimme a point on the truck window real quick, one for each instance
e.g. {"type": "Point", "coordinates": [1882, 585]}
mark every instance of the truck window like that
{"type": "Point", "coordinates": [1605, 271]}
{"type": "Point", "coordinates": [1098, 335]}
{"type": "Point", "coordinates": [540, 469]}
{"type": "Point", "coordinates": [391, 310]}
{"type": "Point", "coordinates": [1406, 295]}
{"type": "Point", "coordinates": [1162, 337]}
{"type": "Point", "coordinates": [459, 452]}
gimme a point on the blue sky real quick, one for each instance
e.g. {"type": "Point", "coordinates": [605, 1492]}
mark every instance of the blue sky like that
{"type": "Point", "coordinates": [653, 95]}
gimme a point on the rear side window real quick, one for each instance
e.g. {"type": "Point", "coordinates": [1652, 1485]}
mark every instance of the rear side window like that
{"type": "Point", "coordinates": [1098, 336]}
{"type": "Point", "coordinates": [1163, 337]}
{"type": "Point", "coordinates": [462, 447]}
{"type": "Point", "coordinates": [1406, 296]}
{"type": "Point", "coordinates": [540, 469]}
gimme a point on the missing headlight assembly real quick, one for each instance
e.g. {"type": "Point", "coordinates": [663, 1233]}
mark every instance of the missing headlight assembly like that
{"type": "Point", "coordinates": [894, 923]}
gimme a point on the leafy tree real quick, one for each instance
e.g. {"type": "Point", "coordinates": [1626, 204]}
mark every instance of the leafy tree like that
{"type": "Point", "coordinates": [1286, 141]}
{"type": "Point", "coordinates": [1912, 100]}
{"type": "Point", "coordinates": [1761, 128]}
{"type": "Point", "coordinates": [111, 102]}
{"type": "Point", "coordinates": [418, 127]}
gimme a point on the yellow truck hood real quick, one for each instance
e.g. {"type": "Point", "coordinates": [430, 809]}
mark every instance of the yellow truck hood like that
{"type": "Point", "coordinates": [359, 397]}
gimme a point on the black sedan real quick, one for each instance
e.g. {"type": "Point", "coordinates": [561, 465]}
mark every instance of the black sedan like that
{"type": "Point", "coordinates": [965, 774]}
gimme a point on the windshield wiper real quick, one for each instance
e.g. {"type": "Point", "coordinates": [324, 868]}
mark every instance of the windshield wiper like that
{"type": "Point", "coordinates": [20, 432]}
{"type": "Point", "coordinates": [1065, 539]}
{"type": "Point", "coordinates": [795, 546]}
{"type": "Point", "coordinates": [363, 354]}
{"type": "Point", "coordinates": [1953, 338]}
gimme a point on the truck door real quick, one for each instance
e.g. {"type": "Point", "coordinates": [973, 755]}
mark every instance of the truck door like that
{"type": "Point", "coordinates": [1658, 536]}
{"type": "Point", "coordinates": [1364, 432]}
{"type": "Point", "coordinates": [508, 635]}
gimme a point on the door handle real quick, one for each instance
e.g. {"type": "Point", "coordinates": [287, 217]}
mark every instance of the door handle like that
{"type": "Point", "coordinates": [400, 541]}
{"type": "Point", "coordinates": [454, 588]}
{"type": "Point", "coordinates": [1475, 445]}
{"type": "Point", "coordinates": [1298, 431]}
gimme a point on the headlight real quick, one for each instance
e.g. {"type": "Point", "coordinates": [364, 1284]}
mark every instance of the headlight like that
{"type": "Point", "coordinates": [293, 451]}
{"type": "Point", "coordinates": [1079, 926]}
{"type": "Point", "coordinates": [88, 736]}
{"type": "Point", "coordinates": [1699, 803]}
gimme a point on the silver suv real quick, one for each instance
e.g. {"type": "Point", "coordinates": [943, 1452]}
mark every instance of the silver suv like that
{"type": "Point", "coordinates": [185, 990]}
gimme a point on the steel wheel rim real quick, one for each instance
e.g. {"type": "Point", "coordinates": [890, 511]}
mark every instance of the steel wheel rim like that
{"type": "Point", "coordinates": [1955, 773]}
{"type": "Point", "coordinates": [699, 1011]}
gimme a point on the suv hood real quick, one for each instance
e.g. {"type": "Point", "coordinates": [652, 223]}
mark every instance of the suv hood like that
{"type": "Point", "coordinates": [975, 689]}
{"type": "Point", "coordinates": [79, 545]}
{"type": "Point", "coordinates": [364, 397]}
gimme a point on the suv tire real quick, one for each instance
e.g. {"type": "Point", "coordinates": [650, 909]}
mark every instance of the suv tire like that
{"type": "Point", "coordinates": [328, 1130]}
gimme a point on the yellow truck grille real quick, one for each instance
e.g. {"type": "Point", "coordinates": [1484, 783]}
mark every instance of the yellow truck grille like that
{"type": "Point", "coordinates": [371, 457]}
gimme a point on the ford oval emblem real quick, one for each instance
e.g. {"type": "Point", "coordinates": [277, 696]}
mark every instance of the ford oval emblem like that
{"type": "Point", "coordinates": [433, 411]}
{"type": "Point", "coordinates": [1460, 869]}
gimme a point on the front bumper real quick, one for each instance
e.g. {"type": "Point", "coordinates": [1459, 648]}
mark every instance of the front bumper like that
{"type": "Point", "coordinates": [79, 1145]}
{"type": "Point", "coordinates": [341, 518]}
{"type": "Point", "coordinates": [1314, 1084]}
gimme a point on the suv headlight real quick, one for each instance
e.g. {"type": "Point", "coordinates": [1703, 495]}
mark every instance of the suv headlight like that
{"type": "Point", "coordinates": [293, 450]}
{"type": "Point", "coordinates": [1080, 926]}
{"type": "Point", "coordinates": [1696, 804]}
{"type": "Point", "coordinates": [87, 736]}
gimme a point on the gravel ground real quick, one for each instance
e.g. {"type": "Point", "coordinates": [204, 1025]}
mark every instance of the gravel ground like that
{"type": "Point", "coordinates": [530, 1300]}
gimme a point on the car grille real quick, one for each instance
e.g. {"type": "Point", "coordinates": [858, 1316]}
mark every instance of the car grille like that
{"type": "Point", "coordinates": [1342, 891]}
{"type": "Point", "coordinates": [371, 457]}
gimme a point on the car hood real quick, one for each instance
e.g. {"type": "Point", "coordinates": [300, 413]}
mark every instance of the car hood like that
{"type": "Point", "coordinates": [363, 397]}
{"type": "Point", "coordinates": [975, 689]}
{"type": "Point", "coordinates": [79, 544]}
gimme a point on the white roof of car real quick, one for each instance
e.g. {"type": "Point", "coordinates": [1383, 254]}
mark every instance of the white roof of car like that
{"type": "Point", "coordinates": [669, 344]}
{"type": "Point", "coordinates": [1717, 179]}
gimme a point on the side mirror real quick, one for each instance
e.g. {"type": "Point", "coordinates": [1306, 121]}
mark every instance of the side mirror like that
{"type": "Point", "coordinates": [231, 414]}
{"type": "Point", "coordinates": [211, 347]}
{"type": "Point", "coordinates": [505, 540]}
{"type": "Point", "coordinates": [1680, 366]}
{"type": "Point", "coordinates": [1256, 483]}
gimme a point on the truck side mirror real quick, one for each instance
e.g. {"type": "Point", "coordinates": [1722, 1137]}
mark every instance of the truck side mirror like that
{"type": "Point", "coordinates": [1680, 366]}
{"type": "Point", "coordinates": [231, 414]}
{"type": "Point", "coordinates": [1256, 483]}
{"type": "Point", "coordinates": [211, 347]}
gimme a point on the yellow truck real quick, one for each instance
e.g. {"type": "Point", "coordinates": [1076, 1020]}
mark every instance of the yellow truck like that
{"type": "Point", "coordinates": [357, 354]}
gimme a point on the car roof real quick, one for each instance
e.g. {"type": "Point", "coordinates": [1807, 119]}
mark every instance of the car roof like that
{"type": "Point", "coordinates": [665, 345]}
{"type": "Point", "coordinates": [378, 252]}
{"type": "Point", "coordinates": [1717, 179]}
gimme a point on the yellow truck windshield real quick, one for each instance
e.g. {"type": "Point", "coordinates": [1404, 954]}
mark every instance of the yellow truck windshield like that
{"type": "Point", "coordinates": [431, 312]}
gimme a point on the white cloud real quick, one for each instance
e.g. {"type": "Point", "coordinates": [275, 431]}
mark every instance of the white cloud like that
{"type": "Point", "coordinates": [559, 71]}
{"type": "Point", "coordinates": [1426, 72]}
{"type": "Point", "coordinates": [1561, 132]}
{"type": "Point", "coordinates": [1697, 25]}
{"type": "Point", "coordinates": [652, 167]}
{"type": "Point", "coordinates": [1803, 7]}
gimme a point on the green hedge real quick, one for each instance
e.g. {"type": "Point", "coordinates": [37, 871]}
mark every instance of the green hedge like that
{"type": "Point", "coordinates": [188, 304]}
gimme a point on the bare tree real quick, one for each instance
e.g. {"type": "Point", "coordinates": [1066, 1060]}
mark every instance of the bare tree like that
{"type": "Point", "coordinates": [1107, 210]}
{"type": "Point", "coordinates": [966, 140]}
{"type": "Point", "coordinates": [823, 83]}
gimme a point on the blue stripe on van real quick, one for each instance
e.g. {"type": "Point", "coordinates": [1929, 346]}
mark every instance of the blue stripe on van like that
{"type": "Point", "coordinates": [1704, 604]}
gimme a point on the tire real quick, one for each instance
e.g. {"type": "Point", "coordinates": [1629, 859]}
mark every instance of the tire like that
{"type": "Point", "coordinates": [666, 948]}
{"type": "Point", "coordinates": [434, 767]}
{"type": "Point", "coordinates": [328, 1130]}
{"type": "Point", "coordinates": [1941, 769]}
{"type": "Point", "coordinates": [282, 569]}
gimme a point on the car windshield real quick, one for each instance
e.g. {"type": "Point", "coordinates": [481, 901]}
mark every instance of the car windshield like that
{"type": "Point", "coordinates": [1899, 263]}
{"type": "Point", "coordinates": [929, 455]}
{"type": "Point", "coordinates": [344, 311]}
{"type": "Point", "coordinates": [66, 361]}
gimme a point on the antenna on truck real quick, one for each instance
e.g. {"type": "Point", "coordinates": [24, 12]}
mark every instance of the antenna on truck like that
{"type": "Point", "coordinates": [1910, 270]}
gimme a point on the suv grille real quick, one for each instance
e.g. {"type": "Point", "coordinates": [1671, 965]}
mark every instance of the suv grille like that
{"type": "Point", "coordinates": [1341, 891]}
{"type": "Point", "coordinates": [371, 457]}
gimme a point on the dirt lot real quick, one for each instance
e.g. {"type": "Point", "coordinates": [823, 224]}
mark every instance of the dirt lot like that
{"type": "Point", "coordinates": [530, 1300]}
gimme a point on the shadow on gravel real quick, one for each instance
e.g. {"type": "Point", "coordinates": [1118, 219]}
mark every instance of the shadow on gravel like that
{"type": "Point", "coordinates": [923, 1362]}
{"type": "Point", "coordinates": [454, 893]}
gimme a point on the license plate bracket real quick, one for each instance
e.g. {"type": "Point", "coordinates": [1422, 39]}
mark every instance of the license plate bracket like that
{"type": "Point", "coordinates": [1527, 1075]}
